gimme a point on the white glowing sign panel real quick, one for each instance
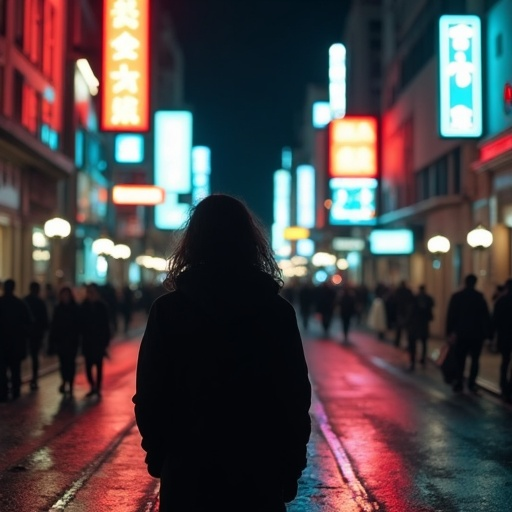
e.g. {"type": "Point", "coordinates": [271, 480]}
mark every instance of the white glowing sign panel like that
{"type": "Point", "coordinates": [321, 114]}
{"type": "Point", "coordinates": [306, 196]}
{"type": "Point", "coordinates": [460, 76]}
{"type": "Point", "coordinates": [201, 169]}
{"type": "Point", "coordinates": [282, 195]}
{"type": "Point", "coordinates": [391, 241]}
{"type": "Point", "coordinates": [337, 80]}
{"type": "Point", "coordinates": [172, 157]}
{"type": "Point", "coordinates": [354, 201]}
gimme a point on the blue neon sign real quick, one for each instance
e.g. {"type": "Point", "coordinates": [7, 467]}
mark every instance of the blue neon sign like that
{"type": "Point", "coordinates": [460, 76]}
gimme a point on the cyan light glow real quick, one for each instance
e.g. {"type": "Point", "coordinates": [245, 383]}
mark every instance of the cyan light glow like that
{"type": "Point", "coordinates": [354, 201]}
{"type": "Point", "coordinates": [306, 196]}
{"type": "Point", "coordinates": [321, 114]}
{"type": "Point", "coordinates": [282, 197]}
{"type": "Point", "coordinates": [129, 148]}
{"type": "Point", "coordinates": [173, 165]}
{"type": "Point", "coordinates": [337, 80]}
{"type": "Point", "coordinates": [391, 241]}
{"type": "Point", "coordinates": [460, 76]}
{"type": "Point", "coordinates": [201, 169]}
{"type": "Point", "coordinates": [305, 247]}
{"type": "Point", "coordinates": [286, 158]}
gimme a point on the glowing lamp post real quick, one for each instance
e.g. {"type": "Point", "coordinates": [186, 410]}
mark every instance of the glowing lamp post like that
{"type": "Point", "coordinates": [438, 245]}
{"type": "Point", "coordinates": [56, 230]}
{"type": "Point", "coordinates": [121, 252]}
{"type": "Point", "coordinates": [480, 239]}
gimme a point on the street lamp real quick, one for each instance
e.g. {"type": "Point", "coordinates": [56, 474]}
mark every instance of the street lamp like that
{"type": "Point", "coordinates": [121, 252]}
{"type": "Point", "coordinates": [480, 239]}
{"type": "Point", "coordinates": [102, 247]}
{"type": "Point", "coordinates": [56, 230]}
{"type": "Point", "coordinates": [438, 245]}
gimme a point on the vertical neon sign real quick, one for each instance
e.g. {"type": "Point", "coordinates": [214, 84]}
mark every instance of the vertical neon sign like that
{"type": "Point", "coordinates": [460, 76]}
{"type": "Point", "coordinates": [125, 84]}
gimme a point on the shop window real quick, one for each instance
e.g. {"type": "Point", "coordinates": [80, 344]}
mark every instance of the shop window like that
{"type": "Point", "coordinates": [3, 4]}
{"type": "Point", "coordinates": [19, 16]}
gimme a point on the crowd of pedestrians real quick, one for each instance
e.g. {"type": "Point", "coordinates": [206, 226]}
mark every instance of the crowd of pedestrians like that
{"type": "Point", "coordinates": [405, 315]}
{"type": "Point", "coordinates": [65, 323]}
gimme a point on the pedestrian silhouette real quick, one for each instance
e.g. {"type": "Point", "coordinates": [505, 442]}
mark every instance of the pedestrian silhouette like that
{"type": "Point", "coordinates": [38, 329]}
{"type": "Point", "coordinates": [468, 325]}
{"type": "Point", "coordinates": [418, 326]}
{"type": "Point", "coordinates": [126, 306]}
{"type": "Point", "coordinates": [502, 325]}
{"type": "Point", "coordinates": [306, 298]}
{"type": "Point", "coordinates": [96, 334]}
{"type": "Point", "coordinates": [15, 324]}
{"type": "Point", "coordinates": [325, 299]}
{"type": "Point", "coordinates": [347, 302]}
{"type": "Point", "coordinates": [222, 390]}
{"type": "Point", "coordinates": [402, 301]}
{"type": "Point", "coordinates": [64, 337]}
{"type": "Point", "coordinates": [377, 314]}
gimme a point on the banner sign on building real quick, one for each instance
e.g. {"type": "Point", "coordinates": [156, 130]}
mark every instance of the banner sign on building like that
{"type": "Point", "coordinates": [353, 147]}
{"type": "Point", "coordinates": [460, 76]}
{"type": "Point", "coordinates": [125, 83]}
{"type": "Point", "coordinates": [354, 201]}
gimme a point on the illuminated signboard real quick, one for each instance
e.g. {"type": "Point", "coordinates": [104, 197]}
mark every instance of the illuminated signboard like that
{"type": "Point", "coordinates": [460, 76]}
{"type": "Point", "coordinates": [354, 201]}
{"type": "Point", "coordinates": [337, 80]}
{"type": "Point", "coordinates": [391, 241]}
{"type": "Point", "coordinates": [305, 196]}
{"type": "Point", "coordinates": [173, 165]}
{"type": "Point", "coordinates": [281, 210]}
{"type": "Point", "coordinates": [201, 170]}
{"type": "Point", "coordinates": [353, 147]}
{"type": "Point", "coordinates": [321, 114]}
{"type": "Point", "coordinates": [146, 195]}
{"type": "Point", "coordinates": [125, 84]}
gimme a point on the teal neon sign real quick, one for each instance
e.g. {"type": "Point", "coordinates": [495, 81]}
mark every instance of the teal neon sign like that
{"type": "Point", "coordinates": [460, 76]}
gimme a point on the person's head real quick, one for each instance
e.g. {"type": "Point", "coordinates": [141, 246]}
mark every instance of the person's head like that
{"type": "Point", "coordinates": [92, 292]}
{"type": "Point", "coordinates": [66, 295]}
{"type": "Point", "coordinates": [9, 286]}
{"type": "Point", "coordinates": [422, 288]}
{"type": "Point", "coordinates": [222, 231]}
{"type": "Point", "coordinates": [34, 288]}
{"type": "Point", "coordinates": [470, 281]}
{"type": "Point", "coordinates": [508, 285]}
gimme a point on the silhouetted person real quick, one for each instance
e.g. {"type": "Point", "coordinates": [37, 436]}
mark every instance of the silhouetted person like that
{"type": "Point", "coordinates": [468, 325]}
{"type": "Point", "coordinates": [64, 337]}
{"type": "Point", "coordinates": [15, 323]}
{"type": "Point", "coordinates": [348, 309]}
{"type": "Point", "coordinates": [96, 334]}
{"type": "Point", "coordinates": [402, 299]}
{"type": "Point", "coordinates": [306, 299]}
{"type": "Point", "coordinates": [126, 306]}
{"type": "Point", "coordinates": [222, 390]}
{"type": "Point", "coordinates": [38, 328]}
{"type": "Point", "coordinates": [418, 326]}
{"type": "Point", "coordinates": [502, 323]}
{"type": "Point", "coordinates": [325, 299]}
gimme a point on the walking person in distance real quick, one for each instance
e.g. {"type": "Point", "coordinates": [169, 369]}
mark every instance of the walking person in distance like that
{"type": "Point", "coordinates": [64, 337]}
{"type": "Point", "coordinates": [502, 325]}
{"type": "Point", "coordinates": [468, 325]}
{"type": "Point", "coordinates": [38, 329]}
{"type": "Point", "coordinates": [222, 390]}
{"type": "Point", "coordinates": [96, 333]}
{"type": "Point", "coordinates": [15, 324]}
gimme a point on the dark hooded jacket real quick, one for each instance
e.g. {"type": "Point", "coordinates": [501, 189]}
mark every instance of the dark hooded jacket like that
{"type": "Point", "coordinates": [222, 391]}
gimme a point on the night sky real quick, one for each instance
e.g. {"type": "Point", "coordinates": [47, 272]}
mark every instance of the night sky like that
{"type": "Point", "coordinates": [247, 64]}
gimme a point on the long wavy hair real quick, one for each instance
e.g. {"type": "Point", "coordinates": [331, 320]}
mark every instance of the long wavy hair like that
{"type": "Point", "coordinates": [222, 231]}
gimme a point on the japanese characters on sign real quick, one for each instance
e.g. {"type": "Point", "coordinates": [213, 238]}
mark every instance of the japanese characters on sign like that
{"type": "Point", "coordinates": [460, 76]}
{"type": "Point", "coordinates": [125, 86]}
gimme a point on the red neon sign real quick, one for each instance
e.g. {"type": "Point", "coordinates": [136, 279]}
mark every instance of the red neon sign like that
{"type": "Point", "coordinates": [125, 76]}
{"type": "Point", "coordinates": [495, 148]}
{"type": "Point", "coordinates": [353, 147]}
